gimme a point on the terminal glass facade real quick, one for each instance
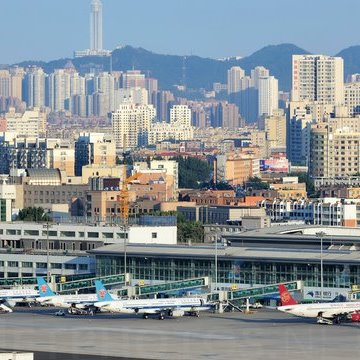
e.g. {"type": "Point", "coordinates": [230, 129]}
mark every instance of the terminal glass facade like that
{"type": "Point", "coordinates": [231, 271]}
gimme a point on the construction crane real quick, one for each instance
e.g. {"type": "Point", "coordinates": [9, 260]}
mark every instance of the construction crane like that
{"type": "Point", "coordinates": [124, 195]}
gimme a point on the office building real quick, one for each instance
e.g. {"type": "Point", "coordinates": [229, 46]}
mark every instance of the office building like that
{"type": "Point", "coordinates": [318, 78]}
{"type": "Point", "coordinates": [94, 148]}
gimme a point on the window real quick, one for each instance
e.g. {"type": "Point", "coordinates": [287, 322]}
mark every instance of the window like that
{"type": "Point", "coordinates": [70, 266]}
{"type": "Point", "coordinates": [93, 234]}
{"type": "Point", "coordinates": [154, 235]}
{"type": "Point", "coordinates": [13, 264]}
{"type": "Point", "coordinates": [41, 265]}
{"type": "Point", "coordinates": [27, 264]}
{"type": "Point", "coordinates": [56, 265]}
{"type": "Point", "coordinates": [83, 266]}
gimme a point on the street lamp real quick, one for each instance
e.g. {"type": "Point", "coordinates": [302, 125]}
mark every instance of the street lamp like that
{"type": "Point", "coordinates": [47, 226]}
{"type": "Point", "coordinates": [321, 235]}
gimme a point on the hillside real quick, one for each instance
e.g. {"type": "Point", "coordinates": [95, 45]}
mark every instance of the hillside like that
{"type": "Point", "coordinates": [200, 72]}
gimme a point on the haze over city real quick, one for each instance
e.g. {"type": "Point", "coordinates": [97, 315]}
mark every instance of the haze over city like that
{"type": "Point", "coordinates": [53, 29]}
{"type": "Point", "coordinates": [179, 179]}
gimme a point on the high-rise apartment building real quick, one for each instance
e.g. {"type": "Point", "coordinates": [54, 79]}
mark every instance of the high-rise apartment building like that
{"type": "Point", "coordinates": [335, 146]}
{"type": "Point", "coordinates": [34, 87]}
{"type": "Point", "coordinates": [318, 78]}
{"type": "Point", "coordinates": [268, 95]}
{"type": "Point", "coordinates": [234, 75]}
{"type": "Point", "coordinates": [352, 98]}
{"type": "Point", "coordinates": [131, 124]}
{"type": "Point", "coordinates": [299, 121]}
{"type": "Point", "coordinates": [275, 130]}
{"type": "Point", "coordinates": [5, 83]}
{"type": "Point", "coordinates": [133, 78]}
{"type": "Point", "coordinates": [257, 73]}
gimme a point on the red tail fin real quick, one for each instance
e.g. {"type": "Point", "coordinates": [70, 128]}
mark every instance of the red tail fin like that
{"type": "Point", "coordinates": [285, 297]}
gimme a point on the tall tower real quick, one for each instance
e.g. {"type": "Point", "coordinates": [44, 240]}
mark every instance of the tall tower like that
{"type": "Point", "coordinates": [96, 25]}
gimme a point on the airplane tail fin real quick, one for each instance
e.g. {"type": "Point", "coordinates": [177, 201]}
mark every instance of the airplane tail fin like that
{"type": "Point", "coordinates": [285, 296]}
{"type": "Point", "coordinates": [44, 288]}
{"type": "Point", "coordinates": [101, 292]}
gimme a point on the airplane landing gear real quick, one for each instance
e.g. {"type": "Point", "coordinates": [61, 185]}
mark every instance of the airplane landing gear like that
{"type": "Point", "coordinates": [161, 316]}
{"type": "Point", "coordinates": [145, 316]}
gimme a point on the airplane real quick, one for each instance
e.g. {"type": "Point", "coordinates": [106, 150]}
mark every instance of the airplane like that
{"type": "Point", "coordinates": [77, 304]}
{"type": "Point", "coordinates": [326, 313]}
{"type": "Point", "coordinates": [173, 307]}
{"type": "Point", "coordinates": [10, 297]}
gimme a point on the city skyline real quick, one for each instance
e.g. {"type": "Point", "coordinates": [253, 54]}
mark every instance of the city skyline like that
{"type": "Point", "coordinates": [227, 27]}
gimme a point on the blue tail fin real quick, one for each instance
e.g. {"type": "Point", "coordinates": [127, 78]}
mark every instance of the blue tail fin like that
{"type": "Point", "coordinates": [101, 292]}
{"type": "Point", "coordinates": [44, 288]}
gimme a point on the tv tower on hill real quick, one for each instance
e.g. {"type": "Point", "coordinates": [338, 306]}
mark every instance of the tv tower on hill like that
{"type": "Point", "coordinates": [96, 33]}
{"type": "Point", "coordinates": [96, 26]}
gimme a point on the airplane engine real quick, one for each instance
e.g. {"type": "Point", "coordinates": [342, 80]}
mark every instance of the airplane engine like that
{"type": "Point", "coordinates": [355, 316]}
{"type": "Point", "coordinates": [176, 313]}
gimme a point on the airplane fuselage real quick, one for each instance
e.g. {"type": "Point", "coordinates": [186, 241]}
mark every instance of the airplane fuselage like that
{"type": "Point", "coordinates": [153, 306]}
{"type": "Point", "coordinates": [325, 310]}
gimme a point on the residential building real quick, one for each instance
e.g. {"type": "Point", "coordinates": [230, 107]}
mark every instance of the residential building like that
{"type": "Point", "coordinates": [268, 95]}
{"type": "Point", "coordinates": [318, 78]}
{"type": "Point", "coordinates": [234, 75]}
{"type": "Point", "coordinates": [334, 148]}
{"type": "Point", "coordinates": [131, 124]}
{"type": "Point", "coordinates": [32, 123]}
{"type": "Point", "coordinates": [275, 130]}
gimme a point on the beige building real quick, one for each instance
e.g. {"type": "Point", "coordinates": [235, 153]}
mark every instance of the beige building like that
{"type": "Point", "coordinates": [32, 123]}
{"type": "Point", "coordinates": [335, 148]}
{"type": "Point", "coordinates": [275, 130]}
{"type": "Point", "coordinates": [352, 98]}
{"type": "Point", "coordinates": [62, 157]}
{"type": "Point", "coordinates": [101, 171]}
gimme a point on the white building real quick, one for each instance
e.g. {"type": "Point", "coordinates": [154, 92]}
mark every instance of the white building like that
{"type": "Point", "coordinates": [136, 95]}
{"type": "Point", "coordinates": [257, 73]}
{"type": "Point", "coordinates": [30, 124]}
{"type": "Point", "coordinates": [131, 124]}
{"type": "Point", "coordinates": [179, 128]}
{"type": "Point", "coordinates": [234, 75]}
{"type": "Point", "coordinates": [268, 95]}
{"type": "Point", "coordinates": [318, 78]}
{"type": "Point", "coordinates": [171, 167]}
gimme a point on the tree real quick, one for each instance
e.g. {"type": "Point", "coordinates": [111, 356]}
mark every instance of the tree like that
{"type": "Point", "coordinates": [193, 173]}
{"type": "Point", "coordinates": [189, 230]}
{"type": "Point", "coordinates": [305, 178]}
{"type": "Point", "coordinates": [256, 184]}
{"type": "Point", "coordinates": [33, 214]}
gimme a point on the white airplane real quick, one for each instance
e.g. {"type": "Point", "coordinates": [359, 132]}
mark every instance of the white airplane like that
{"type": "Point", "coordinates": [74, 303]}
{"type": "Point", "coordinates": [9, 298]}
{"type": "Point", "coordinates": [326, 313]}
{"type": "Point", "coordinates": [174, 307]}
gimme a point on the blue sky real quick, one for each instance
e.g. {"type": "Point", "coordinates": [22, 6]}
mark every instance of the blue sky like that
{"type": "Point", "coordinates": [51, 29]}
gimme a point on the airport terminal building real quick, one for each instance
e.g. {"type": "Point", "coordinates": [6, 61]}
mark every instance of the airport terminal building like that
{"type": "Point", "coordinates": [264, 256]}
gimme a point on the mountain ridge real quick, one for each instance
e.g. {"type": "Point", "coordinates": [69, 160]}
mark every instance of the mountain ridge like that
{"type": "Point", "coordinates": [200, 72]}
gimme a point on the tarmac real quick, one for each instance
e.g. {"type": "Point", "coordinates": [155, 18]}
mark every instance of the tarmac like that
{"type": "Point", "coordinates": [263, 334]}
